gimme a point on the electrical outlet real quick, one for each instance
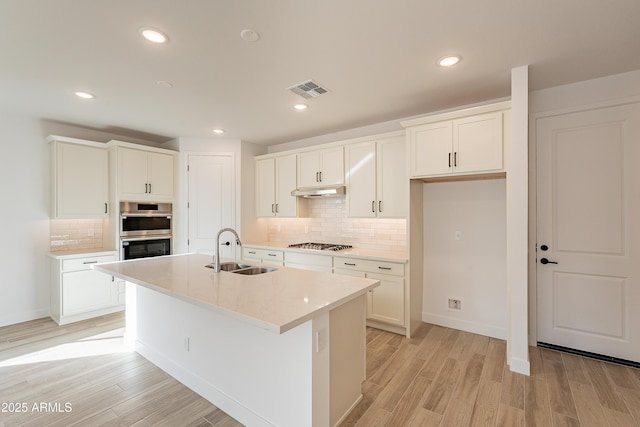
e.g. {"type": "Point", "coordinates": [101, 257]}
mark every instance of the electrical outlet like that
{"type": "Point", "coordinates": [187, 344]}
{"type": "Point", "coordinates": [457, 235]}
{"type": "Point", "coordinates": [306, 229]}
{"type": "Point", "coordinates": [455, 304]}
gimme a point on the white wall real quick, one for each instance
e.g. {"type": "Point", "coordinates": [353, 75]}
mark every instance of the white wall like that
{"type": "Point", "coordinates": [24, 185]}
{"type": "Point", "coordinates": [472, 269]}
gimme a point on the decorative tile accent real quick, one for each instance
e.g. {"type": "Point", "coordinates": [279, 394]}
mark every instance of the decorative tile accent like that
{"type": "Point", "coordinates": [72, 234]}
{"type": "Point", "coordinates": [328, 223]}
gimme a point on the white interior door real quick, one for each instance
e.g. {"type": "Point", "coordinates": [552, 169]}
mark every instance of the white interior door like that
{"type": "Point", "coordinates": [211, 202]}
{"type": "Point", "coordinates": [588, 223]}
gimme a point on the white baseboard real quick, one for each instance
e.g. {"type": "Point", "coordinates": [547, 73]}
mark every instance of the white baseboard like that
{"type": "Point", "coordinates": [465, 325]}
{"type": "Point", "coordinates": [14, 318]}
{"type": "Point", "coordinates": [520, 366]}
{"type": "Point", "coordinates": [202, 387]}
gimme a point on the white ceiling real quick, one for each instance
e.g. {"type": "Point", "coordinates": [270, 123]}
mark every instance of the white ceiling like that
{"type": "Point", "coordinates": [376, 57]}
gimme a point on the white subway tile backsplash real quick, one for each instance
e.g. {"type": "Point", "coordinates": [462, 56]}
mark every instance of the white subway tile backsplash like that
{"type": "Point", "coordinates": [71, 234]}
{"type": "Point", "coordinates": [328, 222]}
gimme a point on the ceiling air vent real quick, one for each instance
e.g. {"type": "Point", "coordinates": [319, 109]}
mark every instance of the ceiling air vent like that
{"type": "Point", "coordinates": [308, 89]}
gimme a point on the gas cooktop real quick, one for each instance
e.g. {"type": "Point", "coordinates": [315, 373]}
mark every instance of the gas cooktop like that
{"type": "Point", "coordinates": [320, 246]}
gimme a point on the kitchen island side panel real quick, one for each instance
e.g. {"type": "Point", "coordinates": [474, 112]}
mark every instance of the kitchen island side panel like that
{"type": "Point", "coordinates": [256, 376]}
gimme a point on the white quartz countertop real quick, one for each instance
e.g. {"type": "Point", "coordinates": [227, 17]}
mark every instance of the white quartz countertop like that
{"type": "Point", "coordinates": [275, 301]}
{"type": "Point", "coordinates": [81, 253]}
{"type": "Point", "coordinates": [379, 255]}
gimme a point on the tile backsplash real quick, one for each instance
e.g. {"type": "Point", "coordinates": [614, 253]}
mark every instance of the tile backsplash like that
{"type": "Point", "coordinates": [327, 222]}
{"type": "Point", "coordinates": [73, 234]}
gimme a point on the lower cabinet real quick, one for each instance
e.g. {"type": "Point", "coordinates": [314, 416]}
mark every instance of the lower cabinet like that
{"type": "Point", "coordinates": [386, 303]}
{"type": "Point", "coordinates": [314, 262]}
{"type": "Point", "coordinates": [78, 292]}
{"type": "Point", "coordinates": [266, 256]}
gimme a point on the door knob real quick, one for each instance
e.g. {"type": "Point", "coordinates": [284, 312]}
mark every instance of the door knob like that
{"type": "Point", "coordinates": [225, 243]}
{"type": "Point", "coordinates": [546, 261]}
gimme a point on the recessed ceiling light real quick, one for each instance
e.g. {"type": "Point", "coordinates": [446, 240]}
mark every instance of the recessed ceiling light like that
{"type": "Point", "coordinates": [85, 95]}
{"type": "Point", "coordinates": [301, 107]}
{"type": "Point", "coordinates": [165, 84]}
{"type": "Point", "coordinates": [249, 35]}
{"type": "Point", "coordinates": [449, 61]}
{"type": "Point", "coordinates": [218, 131]}
{"type": "Point", "coordinates": [153, 35]}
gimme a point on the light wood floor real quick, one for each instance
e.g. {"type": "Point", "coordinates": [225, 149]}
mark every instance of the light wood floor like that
{"type": "Point", "coordinates": [440, 377]}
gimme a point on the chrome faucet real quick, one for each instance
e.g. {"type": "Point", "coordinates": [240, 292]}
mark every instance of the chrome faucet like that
{"type": "Point", "coordinates": [216, 249]}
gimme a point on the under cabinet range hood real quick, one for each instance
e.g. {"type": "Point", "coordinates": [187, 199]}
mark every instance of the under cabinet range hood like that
{"type": "Point", "coordinates": [311, 192]}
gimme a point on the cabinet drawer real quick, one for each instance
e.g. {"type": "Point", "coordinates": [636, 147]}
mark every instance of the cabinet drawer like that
{"type": "Point", "coordinates": [78, 264]}
{"type": "Point", "coordinates": [308, 259]}
{"type": "Point", "coordinates": [370, 266]}
{"type": "Point", "coordinates": [263, 254]}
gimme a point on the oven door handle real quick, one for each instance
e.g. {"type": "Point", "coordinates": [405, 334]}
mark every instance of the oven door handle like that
{"type": "Point", "coordinates": [141, 215]}
{"type": "Point", "coordinates": [137, 239]}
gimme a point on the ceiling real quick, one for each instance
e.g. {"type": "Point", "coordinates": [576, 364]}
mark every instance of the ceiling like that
{"type": "Point", "coordinates": [377, 58]}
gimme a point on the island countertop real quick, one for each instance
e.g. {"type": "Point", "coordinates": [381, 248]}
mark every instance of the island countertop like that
{"type": "Point", "coordinates": [275, 301]}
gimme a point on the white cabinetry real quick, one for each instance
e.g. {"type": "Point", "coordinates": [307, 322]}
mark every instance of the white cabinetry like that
{"type": "Point", "coordinates": [144, 175]}
{"type": "Point", "coordinates": [377, 181]}
{"type": "Point", "coordinates": [386, 303]}
{"type": "Point", "coordinates": [320, 168]}
{"type": "Point", "coordinates": [78, 292]}
{"type": "Point", "coordinates": [460, 146]}
{"type": "Point", "coordinates": [308, 261]}
{"type": "Point", "coordinates": [80, 178]}
{"type": "Point", "coordinates": [275, 179]}
{"type": "Point", "coordinates": [266, 256]}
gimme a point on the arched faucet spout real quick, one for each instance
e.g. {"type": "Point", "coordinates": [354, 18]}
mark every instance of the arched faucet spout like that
{"type": "Point", "coordinates": [216, 249]}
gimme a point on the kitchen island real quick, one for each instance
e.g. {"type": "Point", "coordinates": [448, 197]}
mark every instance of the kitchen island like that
{"type": "Point", "coordinates": [284, 348]}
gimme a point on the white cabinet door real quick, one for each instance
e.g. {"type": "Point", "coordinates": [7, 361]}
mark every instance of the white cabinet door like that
{"type": "Point", "coordinates": [321, 168]}
{"type": "Point", "coordinates": [81, 181]}
{"type": "Point", "coordinates": [265, 187]}
{"type": "Point", "coordinates": [132, 173]}
{"type": "Point", "coordinates": [477, 143]}
{"type": "Point", "coordinates": [160, 176]}
{"type": "Point", "coordinates": [87, 290]}
{"type": "Point", "coordinates": [332, 166]}
{"type": "Point", "coordinates": [285, 181]}
{"type": "Point", "coordinates": [144, 175]}
{"type": "Point", "coordinates": [360, 160]}
{"type": "Point", "coordinates": [386, 302]}
{"type": "Point", "coordinates": [392, 183]}
{"type": "Point", "coordinates": [309, 169]}
{"type": "Point", "coordinates": [431, 149]}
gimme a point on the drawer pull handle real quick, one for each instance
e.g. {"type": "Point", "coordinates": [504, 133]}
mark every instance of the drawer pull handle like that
{"type": "Point", "coordinates": [252, 252]}
{"type": "Point", "coordinates": [351, 264]}
{"type": "Point", "coordinates": [272, 254]}
{"type": "Point", "coordinates": [90, 262]}
{"type": "Point", "coordinates": [384, 268]}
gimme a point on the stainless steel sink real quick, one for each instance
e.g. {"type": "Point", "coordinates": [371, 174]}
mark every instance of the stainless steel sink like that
{"type": "Point", "coordinates": [248, 269]}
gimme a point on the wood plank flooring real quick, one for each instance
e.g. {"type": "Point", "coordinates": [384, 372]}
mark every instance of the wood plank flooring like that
{"type": "Point", "coordinates": [440, 377]}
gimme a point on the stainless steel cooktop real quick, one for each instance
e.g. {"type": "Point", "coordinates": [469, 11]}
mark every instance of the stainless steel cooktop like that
{"type": "Point", "coordinates": [320, 246]}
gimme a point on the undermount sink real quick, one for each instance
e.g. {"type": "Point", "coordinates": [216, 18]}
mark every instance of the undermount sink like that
{"type": "Point", "coordinates": [248, 269]}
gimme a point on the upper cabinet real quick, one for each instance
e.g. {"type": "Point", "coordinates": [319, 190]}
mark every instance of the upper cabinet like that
{"type": "Point", "coordinates": [320, 168]}
{"type": "Point", "coordinates": [80, 178]}
{"type": "Point", "coordinates": [275, 179]}
{"type": "Point", "coordinates": [377, 182]}
{"type": "Point", "coordinates": [144, 175]}
{"type": "Point", "coordinates": [463, 145]}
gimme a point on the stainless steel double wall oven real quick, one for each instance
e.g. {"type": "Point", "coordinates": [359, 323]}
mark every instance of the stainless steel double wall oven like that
{"type": "Point", "coordinates": [145, 229]}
